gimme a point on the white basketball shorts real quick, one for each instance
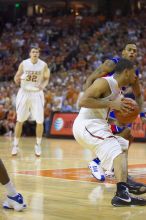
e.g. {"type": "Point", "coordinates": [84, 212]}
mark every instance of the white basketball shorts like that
{"type": "Point", "coordinates": [30, 103]}
{"type": "Point", "coordinates": [96, 135]}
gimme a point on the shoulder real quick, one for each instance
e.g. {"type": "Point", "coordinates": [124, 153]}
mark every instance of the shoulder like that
{"type": "Point", "coordinates": [112, 61]}
{"type": "Point", "coordinates": [103, 81]}
{"type": "Point", "coordinates": [115, 59]}
{"type": "Point", "coordinates": [42, 62]}
{"type": "Point", "coordinates": [26, 61]}
{"type": "Point", "coordinates": [99, 86]}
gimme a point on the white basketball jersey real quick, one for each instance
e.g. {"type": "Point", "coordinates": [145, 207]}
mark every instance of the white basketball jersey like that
{"type": "Point", "coordinates": [99, 113]}
{"type": "Point", "coordinates": [32, 74]}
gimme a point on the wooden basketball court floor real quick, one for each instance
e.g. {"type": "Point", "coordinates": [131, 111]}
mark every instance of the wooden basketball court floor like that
{"type": "Point", "coordinates": [58, 185]}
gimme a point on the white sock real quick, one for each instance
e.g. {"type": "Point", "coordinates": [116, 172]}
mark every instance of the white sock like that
{"type": "Point", "coordinates": [16, 141]}
{"type": "Point", "coordinates": [38, 141]}
{"type": "Point", "coordinates": [10, 189]}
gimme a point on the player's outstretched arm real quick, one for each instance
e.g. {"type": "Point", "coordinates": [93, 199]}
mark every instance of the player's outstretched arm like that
{"type": "Point", "coordinates": [105, 68]}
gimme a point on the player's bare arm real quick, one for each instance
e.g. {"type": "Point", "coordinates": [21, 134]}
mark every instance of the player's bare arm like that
{"type": "Point", "coordinates": [138, 95]}
{"type": "Point", "coordinates": [92, 97]}
{"type": "Point", "coordinates": [17, 77]}
{"type": "Point", "coordinates": [107, 67]}
{"type": "Point", "coordinates": [46, 76]}
{"type": "Point", "coordinates": [139, 98]}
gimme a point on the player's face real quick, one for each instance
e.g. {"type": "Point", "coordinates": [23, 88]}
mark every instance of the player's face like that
{"type": "Point", "coordinates": [130, 52]}
{"type": "Point", "coordinates": [34, 53]}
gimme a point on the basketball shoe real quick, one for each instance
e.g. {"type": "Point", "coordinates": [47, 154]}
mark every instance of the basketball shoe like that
{"type": "Point", "coordinates": [15, 150]}
{"type": "Point", "coordinates": [109, 174]}
{"type": "Point", "coordinates": [38, 150]}
{"type": "Point", "coordinates": [16, 202]}
{"type": "Point", "coordinates": [135, 187]}
{"type": "Point", "coordinates": [96, 170]}
{"type": "Point", "coordinates": [123, 198]}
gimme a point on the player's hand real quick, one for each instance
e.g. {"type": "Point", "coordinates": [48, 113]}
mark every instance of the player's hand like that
{"type": "Point", "coordinates": [39, 87]}
{"type": "Point", "coordinates": [121, 105]}
{"type": "Point", "coordinates": [115, 104]}
{"type": "Point", "coordinates": [17, 80]}
{"type": "Point", "coordinates": [126, 106]}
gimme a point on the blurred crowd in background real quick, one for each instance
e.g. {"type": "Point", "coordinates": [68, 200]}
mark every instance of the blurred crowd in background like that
{"type": "Point", "coordinates": [73, 47]}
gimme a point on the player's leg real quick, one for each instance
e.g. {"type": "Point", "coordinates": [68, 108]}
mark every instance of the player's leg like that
{"type": "Point", "coordinates": [108, 148]}
{"type": "Point", "coordinates": [126, 133]}
{"type": "Point", "coordinates": [122, 196]}
{"type": "Point", "coordinates": [134, 187]}
{"type": "Point", "coordinates": [96, 162]}
{"type": "Point", "coordinates": [22, 109]}
{"type": "Point", "coordinates": [120, 167]}
{"type": "Point", "coordinates": [17, 135]}
{"type": "Point", "coordinates": [14, 200]}
{"type": "Point", "coordinates": [37, 110]}
{"type": "Point", "coordinates": [79, 132]}
{"type": "Point", "coordinates": [39, 134]}
{"type": "Point", "coordinates": [112, 155]}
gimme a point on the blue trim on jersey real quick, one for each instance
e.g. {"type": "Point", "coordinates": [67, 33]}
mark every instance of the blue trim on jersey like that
{"type": "Point", "coordinates": [137, 72]}
{"type": "Point", "coordinates": [143, 115]}
{"type": "Point", "coordinates": [112, 115]}
{"type": "Point", "coordinates": [116, 60]}
{"type": "Point", "coordinates": [118, 129]}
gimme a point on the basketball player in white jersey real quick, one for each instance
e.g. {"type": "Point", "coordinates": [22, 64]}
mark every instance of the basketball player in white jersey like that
{"type": "Point", "coordinates": [32, 76]}
{"type": "Point", "coordinates": [91, 127]}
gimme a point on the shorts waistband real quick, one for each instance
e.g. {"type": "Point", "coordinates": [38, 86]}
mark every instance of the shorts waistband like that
{"type": "Point", "coordinates": [29, 90]}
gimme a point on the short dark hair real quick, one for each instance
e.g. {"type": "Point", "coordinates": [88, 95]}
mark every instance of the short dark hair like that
{"type": "Point", "coordinates": [130, 42]}
{"type": "Point", "coordinates": [123, 64]}
{"type": "Point", "coordinates": [33, 47]}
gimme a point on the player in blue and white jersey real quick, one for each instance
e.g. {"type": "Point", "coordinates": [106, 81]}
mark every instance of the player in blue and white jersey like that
{"type": "Point", "coordinates": [107, 69]}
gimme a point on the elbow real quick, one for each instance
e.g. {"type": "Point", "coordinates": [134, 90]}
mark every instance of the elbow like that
{"type": "Point", "coordinates": [82, 103]}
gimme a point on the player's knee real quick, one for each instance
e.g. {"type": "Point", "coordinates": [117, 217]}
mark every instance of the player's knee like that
{"type": "Point", "coordinates": [127, 135]}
